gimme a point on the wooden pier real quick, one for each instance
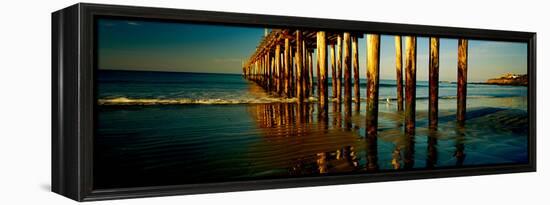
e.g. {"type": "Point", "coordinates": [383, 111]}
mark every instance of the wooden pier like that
{"type": "Point", "coordinates": [283, 65]}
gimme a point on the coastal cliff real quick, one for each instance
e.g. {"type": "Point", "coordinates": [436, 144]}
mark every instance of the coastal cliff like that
{"type": "Point", "coordinates": [510, 79]}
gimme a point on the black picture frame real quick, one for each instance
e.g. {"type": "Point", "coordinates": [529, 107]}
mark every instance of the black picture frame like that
{"type": "Point", "coordinates": [73, 98]}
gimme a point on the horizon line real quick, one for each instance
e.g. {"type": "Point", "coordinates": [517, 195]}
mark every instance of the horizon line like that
{"type": "Point", "coordinates": [163, 71]}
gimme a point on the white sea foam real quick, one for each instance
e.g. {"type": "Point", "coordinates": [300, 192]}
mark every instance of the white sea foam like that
{"type": "Point", "coordinates": [185, 101]}
{"type": "Point", "coordinates": [220, 101]}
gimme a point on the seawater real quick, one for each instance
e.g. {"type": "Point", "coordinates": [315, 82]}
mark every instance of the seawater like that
{"type": "Point", "coordinates": [161, 128]}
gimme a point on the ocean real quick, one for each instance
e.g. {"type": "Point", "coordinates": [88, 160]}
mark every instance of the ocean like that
{"type": "Point", "coordinates": [166, 128]}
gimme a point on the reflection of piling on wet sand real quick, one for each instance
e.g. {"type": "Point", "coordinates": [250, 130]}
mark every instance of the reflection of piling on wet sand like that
{"type": "Point", "coordinates": [288, 72]}
{"type": "Point", "coordinates": [285, 124]}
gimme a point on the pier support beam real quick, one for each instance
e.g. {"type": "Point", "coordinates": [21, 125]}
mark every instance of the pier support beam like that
{"type": "Point", "coordinates": [347, 69]}
{"type": "Point", "coordinates": [399, 71]}
{"type": "Point", "coordinates": [262, 71]}
{"type": "Point", "coordinates": [462, 80]}
{"type": "Point", "coordinates": [318, 72]}
{"type": "Point", "coordinates": [292, 74]}
{"type": "Point", "coordinates": [333, 66]}
{"type": "Point", "coordinates": [373, 75]}
{"type": "Point", "coordinates": [263, 74]}
{"type": "Point", "coordinates": [278, 68]}
{"type": "Point", "coordinates": [305, 71]}
{"type": "Point", "coordinates": [410, 84]}
{"type": "Point", "coordinates": [287, 67]}
{"type": "Point", "coordinates": [355, 63]}
{"type": "Point", "coordinates": [339, 68]}
{"type": "Point", "coordinates": [322, 64]}
{"type": "Point", "coordinates": [299, 67]}
{"type": "Point", "coordinates": [310, 64]}
{"type": "Point", "coordinates": [267, 72]}
{"type": "Point", "coordinates": [273, 78]}
{"type": "Point", "coordinates": [282, 73]}
{"type": "Point", "coordinates": [433, 82]}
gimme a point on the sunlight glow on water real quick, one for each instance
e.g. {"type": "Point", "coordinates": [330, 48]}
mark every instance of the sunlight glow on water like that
{"type": "Point", "coordinates": [150, 144]}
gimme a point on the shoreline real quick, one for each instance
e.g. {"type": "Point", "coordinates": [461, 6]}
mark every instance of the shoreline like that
{"type": "Point", "coordinates": [495, 83]}
{"type": "Point", "coordinates": [267, 100]}
{"type": "Point", "coordinates": [500, 84]}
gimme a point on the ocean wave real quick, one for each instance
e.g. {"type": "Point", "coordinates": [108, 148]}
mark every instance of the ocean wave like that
{"type": "Point", "coordinates": [186, 101]}
{"type": "Point", "coordinates": [229, 101]}
{"type": "Point", "coordinates": [167, 82]}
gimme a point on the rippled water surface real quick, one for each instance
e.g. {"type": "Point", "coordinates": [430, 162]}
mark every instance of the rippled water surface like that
{"type": "Point", "coordinates": [238, 132]}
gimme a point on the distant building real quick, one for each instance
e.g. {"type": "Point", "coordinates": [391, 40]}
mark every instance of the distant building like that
{"type": "Point", "coordinates": [510, 75]}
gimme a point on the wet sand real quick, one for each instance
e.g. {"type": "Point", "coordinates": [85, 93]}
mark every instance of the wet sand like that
{"type": "Point", "coordinates": [182, 144]}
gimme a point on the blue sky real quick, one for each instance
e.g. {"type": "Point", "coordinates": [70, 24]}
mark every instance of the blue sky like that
{"type": "Point", "coordinates": [181, 47]}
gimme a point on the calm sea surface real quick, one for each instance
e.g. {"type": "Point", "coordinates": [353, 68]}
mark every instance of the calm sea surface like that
{"type": "Point", "coordinates": [160, 128]}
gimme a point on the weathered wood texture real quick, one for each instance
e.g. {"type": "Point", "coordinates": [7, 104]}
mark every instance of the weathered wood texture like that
{"type": "Point", "coordinates": [410, 83]}
{"type": "Point", "coordinates": [399, 72]}
{"type": "Point", "coordinates": [318, 71]}
{"type": "Point", "coordinates": [310, 64]}
{"type": "Point", "coordinates": [339, 68]}
{"type": "Point", "coordinates": [373, 68]}
{"type": "Point", "coordinates": [347, 68]}
{"type": "Point", "coordinates": [292, 73]}
{"type": "Point", "coordinates": [462, 80]}
{"type": "Point", "coordinates": [323, 74]}
{"type": "Point", "coordinates": [299, 67]}
{"type": "Point", "coordinates": [333, 67]}
{"type": "Point", "coordinates": [278, 69]}
{"type": "Point", "coordinates": [273, 75]}
{"type": "Point", "coordinates": [355, 64]}
{"type": "Point", "coordinates": [287, 67]}
{"type": "Point", "coordinates": [433, 82]}
{"type": "Point", "coordinates": [305, 71]}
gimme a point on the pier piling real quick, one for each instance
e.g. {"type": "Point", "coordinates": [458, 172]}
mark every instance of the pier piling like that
{"type": "Point", "coordinates": [278, 67]}
{"type": "Point", "coordinates": [410, 83]}
{"type": "Point", "coordinates": [322, 64]}
{"type": "Point", "coordinates": [347, 69]}
{"type": "Point", "coordinates": [299, 67]}
{"type": "Point", "coordinates": [433, 82]}
{"type": "Point", "coordinates": [333, 66]}
{"type": "Point", "coordinates": [373, 67]}
{"type": "Point", "coordinates": [305, 71]}
{"type": "Point", "coordinates": [339, 68]}
{"type": "Point", "coordinates": [310, 65]}
{"type": "Point", "coordinates": [355, 63]}
{"type": "Point", "coordinates": [462, 80]}
{"type": "Point", "coordinates": [399, 72]}
{"type": "Point", "coordinates": [287, 67]}
{"type": "Point", "coordinates": [289, 72]}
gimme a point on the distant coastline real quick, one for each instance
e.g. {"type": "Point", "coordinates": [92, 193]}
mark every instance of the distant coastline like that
{"type": "Point", "coordinates": [506, 79]}
{"type": "Point", "coordinates": [510, 79]}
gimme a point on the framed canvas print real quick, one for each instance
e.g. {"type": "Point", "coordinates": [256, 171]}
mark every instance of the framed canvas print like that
{"type": "Point", "coordinates": [154, 102]}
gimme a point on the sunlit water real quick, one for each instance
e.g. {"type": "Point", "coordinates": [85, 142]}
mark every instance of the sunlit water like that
{"type": "Point", "coordinates": [229, 129]}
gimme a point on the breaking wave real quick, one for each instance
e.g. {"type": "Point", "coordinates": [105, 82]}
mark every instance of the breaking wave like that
{"type": "Point", "coordinates": [186, 101]}
{"type": "Point", "coordinates": [219, 101]}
